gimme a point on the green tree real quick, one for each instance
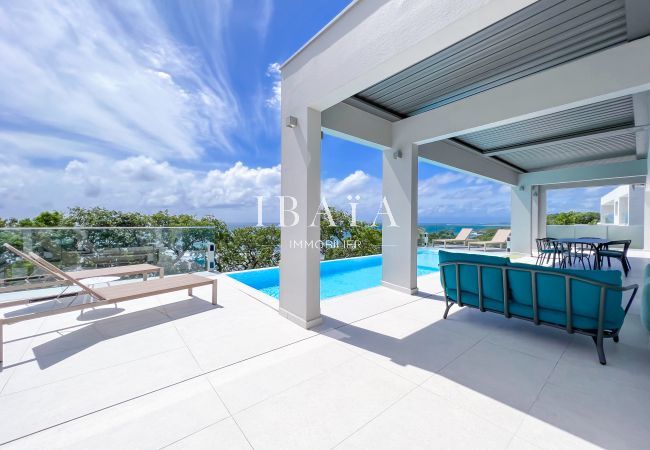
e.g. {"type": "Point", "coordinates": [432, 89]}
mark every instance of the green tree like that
{"type": "Point", "coordinates": [50, 219]}
{"type": "Point", "coordinates": [343, 239]}
{"type": "Point", "coordinates": [442, 234]}
{"type": "Point", "coordinates": [573, 218]}
{"type": "Point", "coordinates": [249, 248]}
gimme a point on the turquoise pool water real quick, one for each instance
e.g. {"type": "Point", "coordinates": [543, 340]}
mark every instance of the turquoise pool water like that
{"type": "Point", "coordinates": [337, 277]}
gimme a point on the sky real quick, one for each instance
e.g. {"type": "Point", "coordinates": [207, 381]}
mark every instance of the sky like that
{"type": "Point", "coordinates": [150, 105]}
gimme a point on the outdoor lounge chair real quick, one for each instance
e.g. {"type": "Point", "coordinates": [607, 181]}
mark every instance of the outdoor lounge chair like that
{"type": "Point", "coordinates": [578, 301]}
{"type": "Point", "coordinates": [119, 271]}
{"type": "Point", "coordinates": [461, 237]}
{"type": "Point", "coordinates": [112, 294]}
{"type": "Point", "coordinates": [500, 238]}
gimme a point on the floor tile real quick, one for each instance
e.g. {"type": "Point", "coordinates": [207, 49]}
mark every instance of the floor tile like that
{"type": "Point", "coordinates": [45, 365]}
{"type": "Point", "coordinates": [424, 420]}
{"type": "Point", "coordinates": [151, 421]}
{"type": "Point", "coordinates": [518, 443]}
{"type": "Point", "coordinates": [324, 410]}
{"type": "Point", "coordinates": [403, 345]}
{"type": "Point", "coordinates": [212, 349]}
{"type": "Point", "coordinates": [494, 382]}
{"type": "Point", "coordinates": [224, 434]}
{"type": "Point", "coordinates": [628, 365]}
{"type": "Point", "coordinates": [565, 417]}
{"type": "Point", "coordinates": [526, 337]}
{"type": "Point", "coordinates": [249, 382]}
{"type": "Point", "coordinates": [34, 409]}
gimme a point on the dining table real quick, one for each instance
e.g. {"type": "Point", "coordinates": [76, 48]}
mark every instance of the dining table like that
{"type": "Point", "coordinates": [596, 243]}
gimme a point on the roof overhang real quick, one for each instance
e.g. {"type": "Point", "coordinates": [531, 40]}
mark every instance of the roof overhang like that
{"type": "Point", "coordinates": [529, 86]}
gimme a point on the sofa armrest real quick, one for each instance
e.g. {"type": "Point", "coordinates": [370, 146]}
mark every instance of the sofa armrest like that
{"type": "Point", "coordinates": [635, 288]}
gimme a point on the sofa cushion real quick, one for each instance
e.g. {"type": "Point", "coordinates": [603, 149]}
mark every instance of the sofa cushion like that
{"type": "Point", "coordinates": [492, 278]}
{"type": "Point", "coordinates": [551, 295]}
{"type": "Point", "coordinates": [470, 298]}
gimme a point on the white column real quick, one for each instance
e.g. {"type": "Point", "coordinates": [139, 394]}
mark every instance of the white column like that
{"type": "Point", "coordinates": [400, 188]}
{"type": "Point", "coordinates": [522, 219]}
{"type": "Point", "coordinates": [300, 258]}
{"type": "Point", "coordinates": [542, 212]}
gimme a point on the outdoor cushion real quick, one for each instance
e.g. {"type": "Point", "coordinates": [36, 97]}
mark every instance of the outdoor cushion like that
{"type": "Point", "coordinates": [492, 278]}
{"type": "Point", "coordinates": [615, 253]}
{"type": "Point", "coordinates": [559, 318]}
{"type": "Point", "coordinates": [470, 298]}
{"type": "Point", "coordinates": [551, 295]}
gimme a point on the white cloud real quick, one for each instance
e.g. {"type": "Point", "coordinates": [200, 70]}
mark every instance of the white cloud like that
{"type": "Point", "coordinates": [263, 18]}
{"type": "Point", "coordinates": [141, 183]}
{"type": "Point", "coordinates": [453, 196]}
{"type": "Point", "coordinates": [273, 72]}
{"type": "Point", "coordinates": [109, 75]}
{"type": "Point", "coordinates": [576, 199]}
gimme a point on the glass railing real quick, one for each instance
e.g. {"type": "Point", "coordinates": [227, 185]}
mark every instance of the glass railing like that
{"type": "Point", "coordinates": [176, 249]}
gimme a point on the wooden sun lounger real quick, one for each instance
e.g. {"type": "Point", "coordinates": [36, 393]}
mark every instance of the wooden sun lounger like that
{"type": "Point", "coordinates": [120, 271]}
{"type": "Point", "coordinates": [461, 237]}
{"type": "Point", "coordinates": [114, 294]}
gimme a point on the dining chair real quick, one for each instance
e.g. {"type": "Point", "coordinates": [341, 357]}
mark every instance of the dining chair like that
{"type": "Point", "coordinates": [618, 253]}
{"type": "Point", "coordinates": [545, 250]}
{"type": "Point", "coordinates": [563, 253]}
{"type": "Point", "coordinates": [582, 251]}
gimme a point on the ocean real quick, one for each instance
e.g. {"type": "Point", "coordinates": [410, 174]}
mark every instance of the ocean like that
{"type": "Point", "coordinates": [428, 227]}
{"type": "Point", "coordinates": [456, 227]}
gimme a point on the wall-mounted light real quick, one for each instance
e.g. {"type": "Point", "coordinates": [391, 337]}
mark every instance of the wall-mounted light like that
{"type": "Point", "coordinates": [292, 122]}
{"type": "Point", "coordinates": [397, 154]}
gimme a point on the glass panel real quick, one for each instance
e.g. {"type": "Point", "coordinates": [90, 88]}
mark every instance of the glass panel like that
{"type": "Point", "coordinates": [177, 249]}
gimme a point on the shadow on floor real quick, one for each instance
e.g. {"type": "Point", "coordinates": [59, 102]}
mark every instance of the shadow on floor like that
{"type": "Point", "coordinates": [56, 350]}
{"type": "Point", "coordinates": [515, 378]}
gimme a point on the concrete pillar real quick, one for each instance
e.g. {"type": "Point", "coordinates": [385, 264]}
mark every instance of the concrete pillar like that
{"type": "Point", "coordinates": [523, 219]}
{"type": "Point", "coordinates": [642, 117]}
{"type": "Point", "coordinates": [300, 257]}
{"type": "Point", "coordinates": [400, 189]}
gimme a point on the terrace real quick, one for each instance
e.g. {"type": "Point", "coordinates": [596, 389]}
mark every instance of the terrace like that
{"type": "Point", "coordinates": [536, 95]}
{"type": "Point", "coordinates": [382, 370]}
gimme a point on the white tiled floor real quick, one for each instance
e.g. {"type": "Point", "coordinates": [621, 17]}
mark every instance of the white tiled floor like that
{"type": "Point", "coordinates": [383, 371]}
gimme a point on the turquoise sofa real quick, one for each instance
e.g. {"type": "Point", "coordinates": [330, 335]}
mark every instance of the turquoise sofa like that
{"type": "Point", "coordinates": [579, 301]}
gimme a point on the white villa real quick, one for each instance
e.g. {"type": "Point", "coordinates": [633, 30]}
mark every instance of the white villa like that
{"type": "Point", "coordinates": [537, 95]}
{"type": "Point", "coordinates": [623, 206]}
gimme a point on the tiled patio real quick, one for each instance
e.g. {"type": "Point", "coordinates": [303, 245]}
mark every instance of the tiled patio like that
{"type": "Point", "coordinates": [384, 371]}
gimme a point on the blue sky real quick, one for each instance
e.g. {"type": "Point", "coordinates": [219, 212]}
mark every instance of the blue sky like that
{"type": "Point", "coordinates": [145, 105]}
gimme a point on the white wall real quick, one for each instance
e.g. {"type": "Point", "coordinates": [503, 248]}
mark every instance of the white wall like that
{"type": "Point", "coordinates": [610, 232]}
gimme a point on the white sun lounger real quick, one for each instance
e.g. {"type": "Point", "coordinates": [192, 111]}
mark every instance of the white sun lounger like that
{"type": "Point", "coordinates": [113, 294]}
{"type": "Point", "coordinates": [461, 237]}
{"type": "Point", "coordinates": [119, 271]}
{"type": "Point", "coordinates": [500, 238]}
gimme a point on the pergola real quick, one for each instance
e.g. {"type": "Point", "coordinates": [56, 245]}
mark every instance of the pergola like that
{"type": "Point", "coordinates": [535, 94]}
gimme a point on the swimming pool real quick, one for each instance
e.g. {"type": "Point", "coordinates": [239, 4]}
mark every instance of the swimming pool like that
{"type": "Point", "coordinates": [337, 277]}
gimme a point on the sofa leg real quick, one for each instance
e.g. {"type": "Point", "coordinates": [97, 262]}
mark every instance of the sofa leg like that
{"type": "Point", "coordinates": [600, 349]}
{"type": "Point", "coordinates": [444, 316]}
